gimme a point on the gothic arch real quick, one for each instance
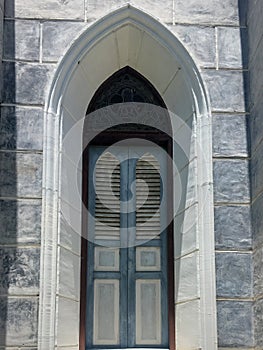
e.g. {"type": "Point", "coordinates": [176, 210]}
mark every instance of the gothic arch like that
{"type": "Point", "coordinates": [124, 37]}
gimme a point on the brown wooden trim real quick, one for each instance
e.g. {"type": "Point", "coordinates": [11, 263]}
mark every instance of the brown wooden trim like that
{"type": "Point", "coordinates": [83, 294]}
{"type": "Point", "coordinates": [170, 254]}
{"type": "Point", "coordinates": [171, 302]}
{"type": "Point", "coordinates": [109, 137]}
{"type": "Point", "coordinates": [83, 273]}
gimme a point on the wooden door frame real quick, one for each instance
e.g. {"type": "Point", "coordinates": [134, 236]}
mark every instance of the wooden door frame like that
{"type": "Point", "coordinates": [108, 138]}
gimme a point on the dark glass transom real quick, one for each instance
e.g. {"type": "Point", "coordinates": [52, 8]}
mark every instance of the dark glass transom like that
{"type": "Point", "coordinates": [126, 85]}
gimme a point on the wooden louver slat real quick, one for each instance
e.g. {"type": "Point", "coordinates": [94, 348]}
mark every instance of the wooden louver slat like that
{"type": "Point", "coordinates": [107, 205]}
{"type": "Point", "coordinates": [148, 189]}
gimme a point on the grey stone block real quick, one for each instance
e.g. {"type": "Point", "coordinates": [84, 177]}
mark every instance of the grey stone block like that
{"type": "Point", "coordinates": [21, 128]}
{"type": "Point", "coordinates": [1, 50]}
{"type": "Point", "coordinates": [20, 221]}
{"type": "Point", "coordinates": [208, 11]}
{"type": "Point", "coordinates": [256, 122]}
{"type": "Point", "coordinates": [18, 321]}
{"type": "Point", "coordinates": [97, 8]}
{"type": "Point", "coordinates": [234, 275]}
{"type": "Point", "coordinates": [226, 89]}
{"type": "Point", "coordinates": [21, 40]}
{"type": "Point", "coordinates": [230, 135]}
{"type": "Point", "coordinates": [1, 23]}
{"type": "Point", "coordinates": [256, 74]}
{"type": "Point", "coordinates": [233, 227]}
{"type": "Point", "coordinates": [257, 220]}
{"type": "Point", "coordinates": [254, 19]}
{"type": "Point", "coordinates": [1, 43]}
{"type": "Point", "coordinates": [199, 40]}
{"type": "Point", "coordinates": [26, 83]}
{"type": "Point", "coordinates": [52, 9]}
{"type": "Point", "coordinates": [2, 5]}
{"type": "Point", "coordinates": [20, 348]}
{"type": "Point", "coordinates": [235, 325]}
{"type": "Point", "coordinates": [9, 82]}
{"type": "Point", "coordinates": [258, 321]}
{"type": "Point", "coordinates": [258, 271]}
{"type": "Point", "coordinates": [9, 9]}
{"type": "Point", "coordinates": [2, 30]}
{"type": "Point", "coordinates": [257, 171]}
{"type": "Point", "coordinates": [243, 12]}
{"type": "Point", "coordinates": [20, 174]}
{"type": "Point", "coordinates": [232, 47]}
{"type": "Point", "coordinates": [57, 36]}
{"type": "Point", "coordinates": [231, 181]}
{"type": "Point", "coordinates": [163, 11]}
{"type": "Point", "coordinates": [19, 270]}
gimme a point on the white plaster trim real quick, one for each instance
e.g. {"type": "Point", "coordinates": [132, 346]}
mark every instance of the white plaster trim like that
{"type": "Point", "coordinates": [51, 180]}
{"type": "Point", "coordinates": [206, 244]}
{"type": "Point", "coordinates": [49, 236]}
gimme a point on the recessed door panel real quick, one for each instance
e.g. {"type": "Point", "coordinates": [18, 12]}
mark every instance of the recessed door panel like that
{"type": "Point", "coordinates": [148, 312]}
{"type": "Point", "coordinates": [106, 312]}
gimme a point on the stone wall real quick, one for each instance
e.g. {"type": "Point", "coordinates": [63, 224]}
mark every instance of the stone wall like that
{"type": "Point", "coordinates": [1, 39]}
{"type": "Point", "coordinates": [255, 26]}
{"type": "Point", "coordinates": [20, 182]}
{"type": "Point", "coordinates": [36, 35]}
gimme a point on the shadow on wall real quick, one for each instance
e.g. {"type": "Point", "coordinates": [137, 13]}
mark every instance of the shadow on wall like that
{"type": "Point", "coordinates": [8, 181]}
{"type": "Point", "coordinates": [20, 181]}
{"type": "Point", "coordinates": [255, 107]}
{"type": "Point", "coordinates": [243, 11]}
{"type": "Point", "coordinates": [243, 20]}
{"type": "Point", "coordinates": [12, 207]}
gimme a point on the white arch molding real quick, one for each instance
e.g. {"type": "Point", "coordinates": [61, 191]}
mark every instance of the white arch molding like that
{"type": "Point", "coordinates": [126, 36]}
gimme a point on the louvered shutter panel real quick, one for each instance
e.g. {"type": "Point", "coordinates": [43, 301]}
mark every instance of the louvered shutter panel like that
{"type": "Point", "coordinates": [107, 206]}
{"type": "Point", "coordinates": [148, 189]}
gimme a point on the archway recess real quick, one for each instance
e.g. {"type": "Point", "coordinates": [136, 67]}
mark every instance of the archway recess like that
{"type": "Point", "coordinates": [126, 37]}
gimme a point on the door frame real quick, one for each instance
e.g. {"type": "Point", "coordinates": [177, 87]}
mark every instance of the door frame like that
{"type": "Point", "coordinates": [108, 138]}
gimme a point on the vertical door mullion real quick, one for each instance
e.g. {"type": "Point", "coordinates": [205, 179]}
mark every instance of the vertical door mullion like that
{"type": "Point", "coordinates": [123, 254]}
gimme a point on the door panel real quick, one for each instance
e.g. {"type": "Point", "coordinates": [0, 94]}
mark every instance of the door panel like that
{"type": "Point", "coordinates": [106, 312]}
{"type": "Point", "coordinates": [148, 259]}
{"type": "Point", "coordinates": [148, 311]}
{"type": "Point", "coordinates": [106, 259]}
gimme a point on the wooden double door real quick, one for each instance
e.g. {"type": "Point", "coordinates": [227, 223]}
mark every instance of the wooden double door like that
{"type": "Point", "coordinates": [127, 303]}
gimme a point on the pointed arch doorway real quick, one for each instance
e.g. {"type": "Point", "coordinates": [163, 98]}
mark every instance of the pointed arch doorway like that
{"type": "Point", "coordinates": [105, 47]}
{"type": "Point", "coordinates": [127, 290]}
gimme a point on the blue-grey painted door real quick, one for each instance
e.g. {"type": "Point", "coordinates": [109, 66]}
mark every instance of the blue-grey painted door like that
{"type": "Point", "coordinates": [127, 250]}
